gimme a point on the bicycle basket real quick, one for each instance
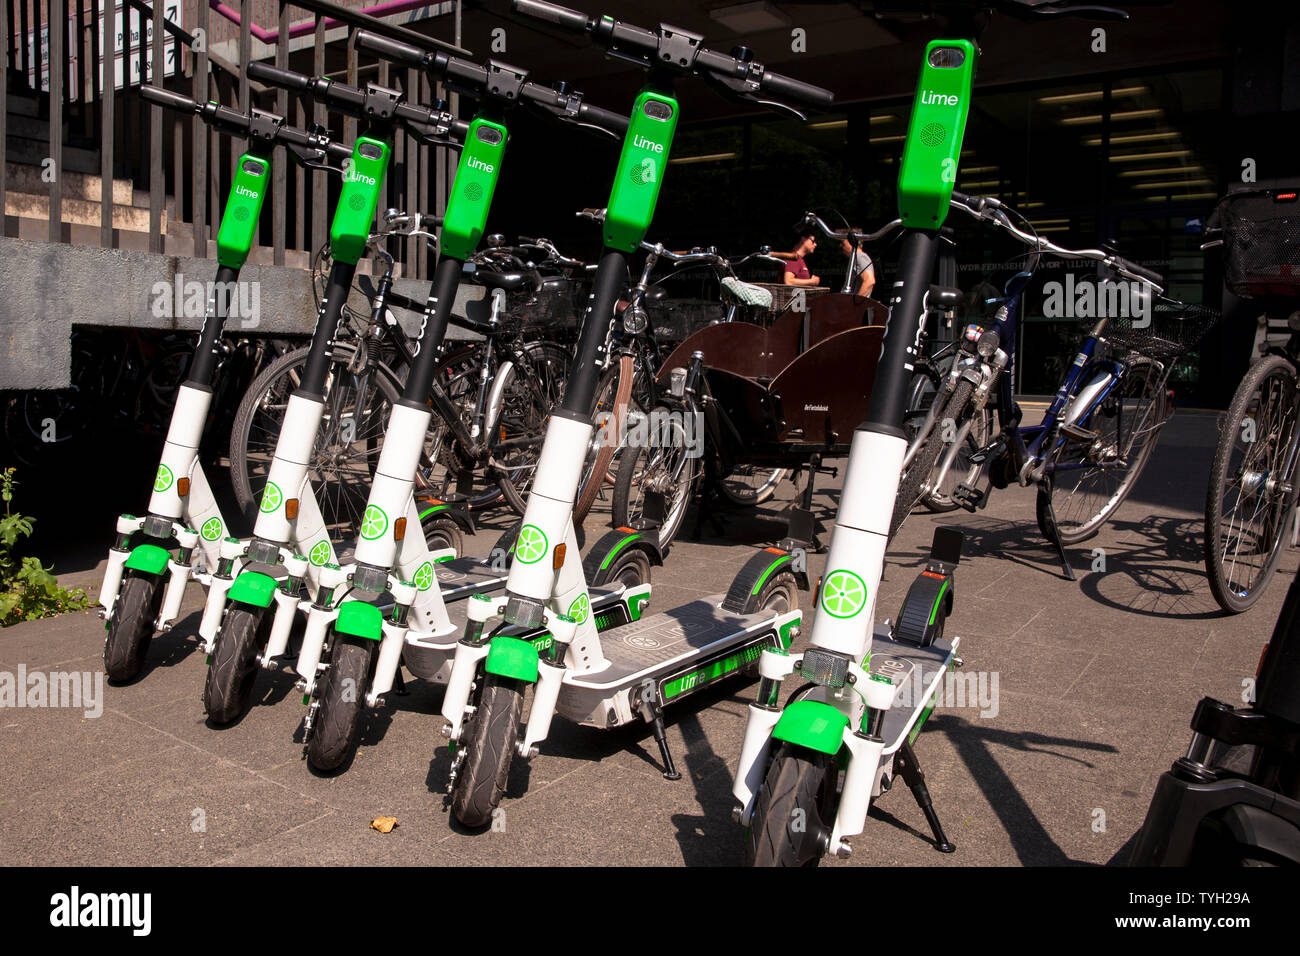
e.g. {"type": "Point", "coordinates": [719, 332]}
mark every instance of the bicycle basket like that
{"type": "Point", "coordinates": [1171, 329]}
{"type": "Point", "coordinates": [551, 308]}
{"type": "Point", "coordinates": [1261, 241]}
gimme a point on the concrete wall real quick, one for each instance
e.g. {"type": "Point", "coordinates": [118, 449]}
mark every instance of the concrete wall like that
{"type": "Point", "coordinates": [46, 288]}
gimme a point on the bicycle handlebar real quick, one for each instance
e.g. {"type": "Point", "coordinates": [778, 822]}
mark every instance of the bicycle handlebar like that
{"type": "Point", "coordinates": [375, 102]}
{"type": "Point", "coordinates": [496, 80]}
{"type": "Point", "coordinates": [678, 50]}
{"type": "Point", "coordinates": [256, 123]}
{"type": "Point", "coordinates": [812, 219]}
{"type": "Point", "coordinates": [988, 209]}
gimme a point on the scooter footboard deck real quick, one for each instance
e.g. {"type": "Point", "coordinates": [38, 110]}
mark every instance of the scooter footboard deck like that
{"type": "Point", "coordinates": [461, 577]}
{"type": "Point", "coordinates": [917, 671]}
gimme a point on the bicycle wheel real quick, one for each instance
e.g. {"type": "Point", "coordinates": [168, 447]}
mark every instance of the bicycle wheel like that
{"type": "Point", "coordinates": [949, 419]}
{"type": "Point", "coordinates": [940, 499]}
{"type": "Point", "coordinates": [1091, 478]}
{"type": "Point", "coordinates": [613, 395]}
{"type": "Point", "coordinates": [748, 486]}
{"type": "Point", "coordinates": [536, 386]}
{"type": "Point", "coordinates": [1247, 505]}
{"type": "Point", "coordinates": [448, 471]}
{"type": "Point", "coordinates": [665, 465]}
{"type": "Point", "coordinates": [347, 444]}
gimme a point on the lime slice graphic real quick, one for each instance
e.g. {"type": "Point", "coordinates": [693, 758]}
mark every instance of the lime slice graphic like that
{"type": "Point", "coordinates": [373, 523]}
{"type": "Point", "coordinates": [271, 497]}
{"type": "Point", "coordinates": [844, 594]}
{"type": "Point", "coordinates": [211, 529]}
{"type": "Point", "coordinates": [532, 545]}
{"type": "Point", "coordinates": [320, 553]}
{"type": "Point", "coordinates": [579, 609]}
{"type": "Point", "coordinates": [423, 577]}
{"type": "Point", "coordinates": [164, 479]}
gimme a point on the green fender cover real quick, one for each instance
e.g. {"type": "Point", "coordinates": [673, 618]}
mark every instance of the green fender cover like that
{"type": "Point", "coordinates": [512, 657]}
{"type": "Point", "coordinates": [360, 620]}
{"type": "Point", "coordinates": [253, 587]}
{"type": "Point", "coordinates": [148, 558]}
{"type": "Point", "coordinates": [812, 724]}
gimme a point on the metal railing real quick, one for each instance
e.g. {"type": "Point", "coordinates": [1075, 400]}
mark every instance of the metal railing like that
{"type": "Point", "coordinates": [138, 142]}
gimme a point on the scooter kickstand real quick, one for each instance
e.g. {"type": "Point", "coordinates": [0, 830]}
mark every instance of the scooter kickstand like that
{"type": "Point", "coordinates": [399, 684]}
{"type": "Point", "coordinates": [915, 780]}
{"type": "Point", "coordinates": [648, 705]}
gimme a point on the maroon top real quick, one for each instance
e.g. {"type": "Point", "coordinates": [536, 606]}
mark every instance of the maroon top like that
{"type": "Point", "coordinates": [798, 267]}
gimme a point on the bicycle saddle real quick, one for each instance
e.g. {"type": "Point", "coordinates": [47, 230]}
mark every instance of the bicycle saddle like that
{"type": "Point", "coordinates": [510, 281]}
{"type": "Point", "coordinates": [944, 298]}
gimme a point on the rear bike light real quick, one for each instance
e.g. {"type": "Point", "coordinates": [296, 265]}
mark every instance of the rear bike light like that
{"type": "Point", "coordinates": [824, 667]}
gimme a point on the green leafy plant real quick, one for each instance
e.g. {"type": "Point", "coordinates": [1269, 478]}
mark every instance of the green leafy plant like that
{"type": "Point", "coordinates": [27, 590]}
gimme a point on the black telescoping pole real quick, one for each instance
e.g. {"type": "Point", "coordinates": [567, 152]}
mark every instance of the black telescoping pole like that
{"type": "Point", "coordinates": [916, 261]}
{"type": "Point", "coordinates": [327, 324]}
{"type": "Point", "coordinates": [437, 311]}
{"type": "Point", "coordinates": [611, 281]}
{"type": "Point", "coordinates": [205, 358]}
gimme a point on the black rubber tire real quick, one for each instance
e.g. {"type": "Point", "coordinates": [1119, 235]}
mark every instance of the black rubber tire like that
{"type": "Point", "coordinates": [342, 711]}
{"type": "Point", "coordinates": [228, 690]}
{"type": "Point", "coordinates": [779, 593]}
{"type": "Point", "coordinates": [490, 747]}
{"type": "Point", "coordinates": [630, 465]}
{"type": "Point", "coordinates": [630, 569]}
{"type": "Point", "coordinates": [526, 411]}
{"type": "Point", "coordinates": [132, 626]}
{"type": "Point", "coordinates": [1141, 373]}
{"type": "Point", "coordinates": [1234, 598]}
{"type": "Point", "coordinates": [909, 488]}
{"type": "Point", "coordinates": [795, 790]}
{"type": "Point", "coordinates": [744, 495]}
{"type": "Point", "coordinates": [442, 533]}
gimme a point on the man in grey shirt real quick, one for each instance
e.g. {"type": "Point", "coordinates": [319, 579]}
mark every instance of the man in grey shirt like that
{"type": "Point", "coordinates": [861, 276]}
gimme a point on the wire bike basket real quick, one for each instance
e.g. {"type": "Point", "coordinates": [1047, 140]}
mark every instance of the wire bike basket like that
{"type": "Point", "coordinates": [1261, 241]}
{"type": "Point", "coordinates": [1169, 331]}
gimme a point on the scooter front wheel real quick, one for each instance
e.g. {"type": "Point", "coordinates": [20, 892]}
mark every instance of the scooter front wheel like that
{"type": "Point", "coordinates": [792, 815]}
{"type": "Point", "coordinates": [493, 734]}
{"type": "Point", "coordinates": [233, 671]}
{"type": "Point", "coordinates": [342, 705]}
{"type": "Point", "coordinates": [132, 626]}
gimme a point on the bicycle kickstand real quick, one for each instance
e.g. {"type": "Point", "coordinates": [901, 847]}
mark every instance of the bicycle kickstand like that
{"type": "Point", "coordinates": [1054, 533]}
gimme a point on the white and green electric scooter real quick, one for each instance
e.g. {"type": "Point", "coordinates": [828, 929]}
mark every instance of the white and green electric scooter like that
{"type": "Point", "coordinates": [629, 672]}
{"type": "Point", "coordinates": [253, 599]}
{"type": "Point", "coordinates": [151, 559]}
{"type": "Point", "coordinates": [351, 652]}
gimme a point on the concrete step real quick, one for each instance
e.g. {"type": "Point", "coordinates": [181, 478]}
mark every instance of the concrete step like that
{"type": "Point", "coordinates": [30, 152]}
{"type": "Point", "coordinates": [28, 179]}
{"type": "Point", "coordinates": [79, 212]}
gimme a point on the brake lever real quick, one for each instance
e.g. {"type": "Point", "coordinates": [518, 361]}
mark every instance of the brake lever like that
{"type": "Point", "coordinates": [313, 159]}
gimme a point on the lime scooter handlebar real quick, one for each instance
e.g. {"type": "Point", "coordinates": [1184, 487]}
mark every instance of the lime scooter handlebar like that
{"type": "Point", "coordinates": [434, 126]}
{"type": "Point", "coordinates": [256, 123]}
{"type": "Point", "coordinates": [680, 51]}
{"type": "Point", "coordinates": [496, 81]}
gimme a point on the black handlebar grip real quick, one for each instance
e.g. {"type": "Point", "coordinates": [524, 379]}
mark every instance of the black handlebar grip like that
{"type": "Point", "coordinates": [173, 101]}
{"type": "Point", "coordinates": [790, 88]}
{"type": "Point", "coordinates": [286, 79]}
{"type": "Point", "coordinates": [1138, 270]}
{"type": "Point", "coordinates": [552, 13]}
{"type": "Point", "coordinates": [393, 50]}
{"type": "Point", "coordinates": [605, 119]}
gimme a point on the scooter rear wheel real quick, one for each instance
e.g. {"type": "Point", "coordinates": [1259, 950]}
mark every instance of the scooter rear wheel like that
{"type": "Point", "coordinates": [228, 690]}
{"type": "Point", "coordinates": [337, 728]}
{"type": "Point", "coordinates": [132, 626]}
{"type": "Point", "coordinates": [792, 812]}
{"type": "Point", "coordinates": [491, 740]}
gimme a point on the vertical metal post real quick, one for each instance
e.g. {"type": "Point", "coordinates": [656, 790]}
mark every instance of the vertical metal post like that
{"type": "Point", "coordinates": [57, 31]}
{"type": "Point", "coordinates": [156, 181]}
{"type": "Point", "coordinates": [412, 153]}
{"type": "Point", "coordinates": [6, 33]}
{"type": "Point", "coordinates": [108, 90]}
{"type": "Point", "coordinates": [201, 136]}
{"type": "Point", "coordinates": [280, 160]}
{"type": "Point", "coordinates": [320, 185]}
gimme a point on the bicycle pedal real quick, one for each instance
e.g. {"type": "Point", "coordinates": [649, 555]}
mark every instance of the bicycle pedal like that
{"type": "Point", "coordinates": [968, 497]}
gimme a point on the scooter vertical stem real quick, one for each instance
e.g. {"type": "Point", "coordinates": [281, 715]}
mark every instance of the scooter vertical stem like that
{"type": "Point", "coordinates": [205, 356]}
{"type": "Point", "coordinates": [318, 358]}
{"type": "Point", "coordinates": [611, 280]}
{"type": "Point", "coordinates": [906, 309]}
{"type": "Point", "coordinates": [437, 311]}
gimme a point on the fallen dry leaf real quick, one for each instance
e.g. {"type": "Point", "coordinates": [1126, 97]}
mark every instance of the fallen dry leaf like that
{"type": "Point", "coordinates": [383, 824]}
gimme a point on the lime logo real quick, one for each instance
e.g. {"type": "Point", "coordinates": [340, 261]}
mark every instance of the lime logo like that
{"type": "Point", "coordinates": [164, 479]}
{"type": "Point", "coordinates": [423, 577]}
{"type": "Point", "coordinates": [473, 192]}
{"type": "Point", "coordinates": [271, 497]}
{"type": "Point", "coordinates": [211, 529]}
{"type": "Point", "coordinates": [579, 609]}
{"type": "Point", "coordinates": [844, 594]}
{"type": "Point", "coordinates": [645, 172]}
{"type": "Point", "coordinates": [532, 544]}
{"type": "Point", "coordinates": [373, 523]}
{"type": "Point", "coordinates": [320, 553]}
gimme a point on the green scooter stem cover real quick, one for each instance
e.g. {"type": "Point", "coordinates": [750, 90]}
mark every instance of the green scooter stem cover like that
{"type": "Point", "coordinates": [362, 183]}
{"type": "Point", "coordinates": [243, 209]}
{"type": "Point", "coordinates": [476, 180]}
{"type": "Point", "coordinates": [640, 170]}
{"type": "Point", "coordinates": [934, 135]}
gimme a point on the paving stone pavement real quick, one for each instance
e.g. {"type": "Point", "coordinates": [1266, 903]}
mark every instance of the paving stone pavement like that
{"type": "Point", "coordinates": [1096, 681]}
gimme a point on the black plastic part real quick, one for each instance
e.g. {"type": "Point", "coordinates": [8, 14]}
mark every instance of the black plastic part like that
{"type": "Point", "coordinates": [910, 770]}
{"type": "Point", "coordinates": [741, 598]}
{"type": "Point", "coordinates": [205, 356]}
{"type": "Point", "coordinates": [1053, 534]}
{"type": "Point", "coordinates": [916, 260]}
{"type": "Point", "coordinates": [1277, 689]}
{"type": "Point", "coordinates": [437, 312]}
{"type": "Point", "coordinates": [327, 322]}
{"type": "Point", "coordinates": [646, 543]}
{"type": "Point", "coordinates": [611, 281]}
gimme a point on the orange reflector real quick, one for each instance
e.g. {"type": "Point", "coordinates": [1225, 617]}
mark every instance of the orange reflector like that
{"type": "Point", "coordinates": [817, 591]}
{"type": "Point", "coordinates": [291, 509]}
{"type": "Point", "coordinates": [503, 432]}
{"type": "Point", "coordinates": [399, 529]}
{"type": "Point", "coordinates": [558, 561]}
{"type": "Point", "coordinates": [182, 486]}
{"type": "Point", "coordinates": [1260, 665]}
{"type": "Point", "coordinates": [774, 550]}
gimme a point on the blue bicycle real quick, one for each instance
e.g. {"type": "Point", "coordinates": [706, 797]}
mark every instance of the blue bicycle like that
{"type": "Point", "coordinates": [1101, 426]}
